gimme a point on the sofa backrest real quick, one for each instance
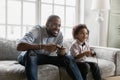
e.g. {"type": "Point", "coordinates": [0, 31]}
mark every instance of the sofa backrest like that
{"type": "Point", "coordinates": [106, 53]}
{"type": "Point", "coordinates": [67, 44]}
{"type": "Point", "coordinates": [8, 50]}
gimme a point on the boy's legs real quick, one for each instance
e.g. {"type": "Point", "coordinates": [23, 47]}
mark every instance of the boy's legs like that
{"type": "Point", "coordinates": [95, 70]}
{"type": "Point", "coordinates": [84, 68]}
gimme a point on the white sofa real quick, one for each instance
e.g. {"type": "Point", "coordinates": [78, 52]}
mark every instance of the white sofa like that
{"type": "Point", "coordinates": [108, 60]}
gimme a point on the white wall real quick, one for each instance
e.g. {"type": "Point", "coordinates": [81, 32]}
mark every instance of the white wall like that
{"type": "Point", "coordinates": [90, 20]}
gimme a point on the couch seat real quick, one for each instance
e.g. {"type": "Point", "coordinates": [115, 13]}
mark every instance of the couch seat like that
{"type": "Point", "coordinates": [11, 70]}
{"type": "Point", "coordinates": [107, 68]}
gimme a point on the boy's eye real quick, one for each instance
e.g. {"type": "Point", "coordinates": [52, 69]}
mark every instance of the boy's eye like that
{"type": "Point", "coordinates": [81, 33]}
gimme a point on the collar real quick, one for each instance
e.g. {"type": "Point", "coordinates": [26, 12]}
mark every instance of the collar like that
{"type": "Point", "coordinates": [45, 32]}
{"type": "Point", "coordinates": [81, 43]}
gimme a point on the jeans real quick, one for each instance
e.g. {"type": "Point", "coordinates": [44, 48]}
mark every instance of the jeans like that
{"type": "Point", "coordinates": [86, 67]}
{"type": "Point", "coordinates": [31, 61]}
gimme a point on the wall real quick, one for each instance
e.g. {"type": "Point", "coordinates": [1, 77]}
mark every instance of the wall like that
{"type": "Point", "coordinates": [90, 20]}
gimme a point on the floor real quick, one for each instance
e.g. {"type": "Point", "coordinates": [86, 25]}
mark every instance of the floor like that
{"type": "Point", "coordinates": [113, 78]}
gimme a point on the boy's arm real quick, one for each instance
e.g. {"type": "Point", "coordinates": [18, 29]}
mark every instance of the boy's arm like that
{"type": "Point", "coordinates": [80, 55]}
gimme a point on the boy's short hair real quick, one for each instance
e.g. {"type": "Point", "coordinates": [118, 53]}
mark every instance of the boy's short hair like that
{"type": "Point", "coordinates": [77, 28]}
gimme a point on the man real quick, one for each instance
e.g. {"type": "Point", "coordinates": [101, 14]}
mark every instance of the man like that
{"type": "Point", "coordinates": [39, 43]}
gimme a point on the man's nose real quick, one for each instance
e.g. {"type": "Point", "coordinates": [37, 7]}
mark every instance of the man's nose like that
{"type": "Point", "coordinates": [57, 27]}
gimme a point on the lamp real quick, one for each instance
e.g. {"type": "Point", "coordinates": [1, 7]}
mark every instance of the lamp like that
{"type": "Point", "coordinates": [100, 6]}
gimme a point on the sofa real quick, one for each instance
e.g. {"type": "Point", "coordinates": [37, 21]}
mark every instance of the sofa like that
{"type": "Point", "coordinates": [108, 60]}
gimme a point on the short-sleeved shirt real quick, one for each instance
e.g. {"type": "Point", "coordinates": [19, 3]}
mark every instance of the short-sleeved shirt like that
{"type": "Point", "coordinates": [78, 47]}
{"type": "Point", "coordinates": [38, 35]}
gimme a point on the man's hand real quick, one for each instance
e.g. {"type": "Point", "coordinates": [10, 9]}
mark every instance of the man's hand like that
{"type": "Point", "coordinates": [50, 47]}
{"type": "Point", "coordinates": [61, 50]}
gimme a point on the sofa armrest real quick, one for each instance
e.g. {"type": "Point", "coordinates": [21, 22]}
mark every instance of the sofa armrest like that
{"type": "Point", "coordinates": [105, 53]}
{"type": "Point", "coordinates": [117, 63]}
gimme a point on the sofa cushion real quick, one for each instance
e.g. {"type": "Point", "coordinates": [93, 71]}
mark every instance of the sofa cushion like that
{"type": "Point", "coordinates": [12, 70]}
{"type": "Point", "coordinates": [64, 75]}
{"type": "Point", "coordinates": [118, 63]}
{"type": "Point", "coordinates": [8, 50]}
{"type": "Point", "coordinates": [107, 68]}
{"type": "Point", "coordinates": [48, 72]}
{"type": "Point", "coordinates": [67, 44]}
{"type": "Point", "coordinates": [8, 67]}
{"type": "Point", "coordinates": [105, 52]}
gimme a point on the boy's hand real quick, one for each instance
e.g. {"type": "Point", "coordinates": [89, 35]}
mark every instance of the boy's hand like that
{"type": "Point", "coordinates": [88, 53]}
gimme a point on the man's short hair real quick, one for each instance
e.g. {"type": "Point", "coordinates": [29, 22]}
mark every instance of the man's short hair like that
{"type": "Point", "coordinates": [51, 17]}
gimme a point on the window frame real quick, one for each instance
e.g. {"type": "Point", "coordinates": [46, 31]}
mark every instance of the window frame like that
{"type": "Point", "coordinates": [38, 15]}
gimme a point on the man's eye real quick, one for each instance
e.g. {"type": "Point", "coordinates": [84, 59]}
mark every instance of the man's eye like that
{"type": "Point", "coordinates": [56, 25]}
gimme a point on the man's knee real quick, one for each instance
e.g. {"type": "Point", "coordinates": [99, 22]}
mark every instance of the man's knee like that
{"type": "Point", "coordinates": [69, 59]}
{"type": "Point", "coordinates": [31, 53]}
{"type": "Point", "coordinates": [25, 55]}
{"type": "Point", "coordinates": [21, 57]}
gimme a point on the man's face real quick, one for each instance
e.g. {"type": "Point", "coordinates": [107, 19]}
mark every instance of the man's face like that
{"type": "Point", "coordinates": [53, 27]}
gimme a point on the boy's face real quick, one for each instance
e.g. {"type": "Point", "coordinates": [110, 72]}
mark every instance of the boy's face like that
{"type": "Point", "coordinates": [82, 35]}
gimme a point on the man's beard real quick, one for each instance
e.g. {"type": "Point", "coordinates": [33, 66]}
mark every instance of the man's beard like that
{"type": "Point", "coordinates": [52, 34]}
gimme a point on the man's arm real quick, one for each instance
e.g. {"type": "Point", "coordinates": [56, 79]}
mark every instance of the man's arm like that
{"type": "Point", "coordinates": [26, 46]}
{"type": "Point", "coordinates": [27, 42]}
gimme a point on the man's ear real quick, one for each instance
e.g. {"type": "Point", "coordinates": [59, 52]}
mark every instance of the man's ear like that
{"type": "Point", "coordinates": [47, 24]}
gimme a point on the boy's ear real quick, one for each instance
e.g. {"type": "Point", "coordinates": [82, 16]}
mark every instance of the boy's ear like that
{"type": "Point", "coordinates": [75, 36]}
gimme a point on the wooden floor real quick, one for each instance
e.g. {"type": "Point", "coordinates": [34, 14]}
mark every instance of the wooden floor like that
{"type": "Point", "coordinates": [113, 78]}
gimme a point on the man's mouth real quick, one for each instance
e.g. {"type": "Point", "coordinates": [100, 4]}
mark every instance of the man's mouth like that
{"type": "Point", "coordinates": [55, 31]}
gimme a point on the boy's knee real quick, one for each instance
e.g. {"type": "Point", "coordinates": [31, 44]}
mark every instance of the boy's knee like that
{"type": "Point", "coordinates": [87, 66]}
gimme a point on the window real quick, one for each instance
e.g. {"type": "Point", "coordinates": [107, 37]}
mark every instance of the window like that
{"type": "Point", "coordinates": [18, 16]}
{"type": "Point", "coordinates": [65, 9]}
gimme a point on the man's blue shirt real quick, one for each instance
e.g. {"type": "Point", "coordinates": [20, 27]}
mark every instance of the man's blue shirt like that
{"type": "Point", "coordinates": [38, 35]}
